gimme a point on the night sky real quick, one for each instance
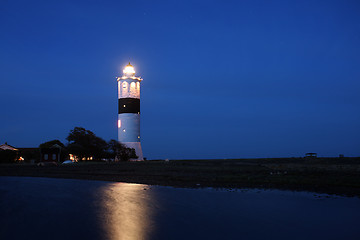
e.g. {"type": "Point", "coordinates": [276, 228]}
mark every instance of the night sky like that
{"type": "Point", "coordinates": [222, 79]}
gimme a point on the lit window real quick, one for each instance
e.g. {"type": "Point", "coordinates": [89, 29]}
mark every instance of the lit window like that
{"type": "Point", "coordinates": [138, 137]}
{"type": "Point", "coordinates": [119, 123]}
{"type": "Point", "coordinates": [46, 157]}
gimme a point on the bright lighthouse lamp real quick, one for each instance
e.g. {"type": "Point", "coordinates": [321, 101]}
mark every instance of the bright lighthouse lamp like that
{"type": "Point", "coordinates": [129, 70]}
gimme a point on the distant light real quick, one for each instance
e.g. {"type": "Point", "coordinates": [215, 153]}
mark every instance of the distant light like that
{"type": "Point", "coordinates": [119, 123]}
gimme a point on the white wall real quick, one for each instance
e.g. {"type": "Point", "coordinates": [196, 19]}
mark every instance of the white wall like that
{"type": "Point", "coordinates": [129, 88]}
{"type": "Point", "coordinates": [129, 130]}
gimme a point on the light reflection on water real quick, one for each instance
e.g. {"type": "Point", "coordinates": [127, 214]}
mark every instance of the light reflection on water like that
{"type": "Point", "coordinates": [125, 211]}
{"type": "Point", "coordinates": [41, 208]}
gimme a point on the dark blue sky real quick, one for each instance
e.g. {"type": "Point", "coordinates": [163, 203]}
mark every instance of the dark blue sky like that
{"type": "Point", "coordinates": [222, 79]}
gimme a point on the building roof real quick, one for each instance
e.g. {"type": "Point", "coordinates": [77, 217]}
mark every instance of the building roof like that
{"type": "Point", "coordinates": [6, 146]}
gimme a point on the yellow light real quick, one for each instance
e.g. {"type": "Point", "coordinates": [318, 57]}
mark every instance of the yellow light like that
{"type": "Point", "coordinates": [129, 70]}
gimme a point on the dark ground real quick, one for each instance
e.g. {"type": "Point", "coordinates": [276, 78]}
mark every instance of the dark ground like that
{"type": "Point", "coordinates": [324, 175]}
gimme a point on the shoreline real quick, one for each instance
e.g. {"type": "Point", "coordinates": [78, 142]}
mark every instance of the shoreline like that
{"type": "Point", "coordinates": [326, 175]}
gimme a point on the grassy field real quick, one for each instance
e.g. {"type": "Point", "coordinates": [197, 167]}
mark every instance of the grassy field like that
{"type": "Point", "coordinates": [323, 175]}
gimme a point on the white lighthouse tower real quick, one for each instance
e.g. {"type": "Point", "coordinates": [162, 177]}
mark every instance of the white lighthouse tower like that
{"type": "Point", "coordinates": [129, 110]}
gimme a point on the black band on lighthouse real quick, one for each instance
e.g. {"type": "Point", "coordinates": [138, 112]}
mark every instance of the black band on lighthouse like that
{"type": "Point", "coordinates": [129, 105]}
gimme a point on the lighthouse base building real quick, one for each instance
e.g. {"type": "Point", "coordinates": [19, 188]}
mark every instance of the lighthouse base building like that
{"type": "Point", "coordinates": [129, 110]}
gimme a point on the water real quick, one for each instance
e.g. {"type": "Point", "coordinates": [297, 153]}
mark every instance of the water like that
{"type": "Point", "coordinates": [44, 208]}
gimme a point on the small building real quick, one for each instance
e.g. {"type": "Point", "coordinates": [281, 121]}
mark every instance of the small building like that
{"type": "Point", "coordinates": [51, 154]}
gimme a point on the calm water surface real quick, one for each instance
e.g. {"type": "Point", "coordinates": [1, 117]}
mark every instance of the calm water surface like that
{"type": "Point", "coordinates": [44, 208]}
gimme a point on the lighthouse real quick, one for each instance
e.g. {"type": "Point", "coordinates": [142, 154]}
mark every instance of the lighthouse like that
{"type": "Point", "coordinates": [129, 110]}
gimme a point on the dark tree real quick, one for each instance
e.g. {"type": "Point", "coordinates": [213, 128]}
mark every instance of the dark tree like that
{"type": "Point", "coordinates": [120, 152]}
{"type": "Point", "coordinates": [85, 144]}
{"type": "Point", "coordinates": [125, 154]}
